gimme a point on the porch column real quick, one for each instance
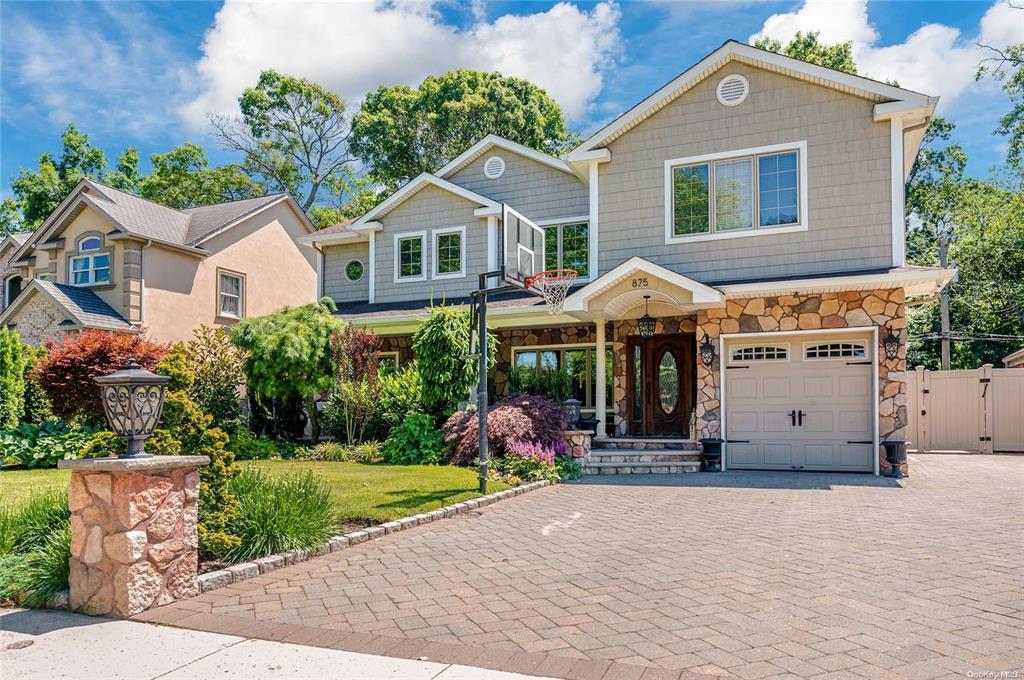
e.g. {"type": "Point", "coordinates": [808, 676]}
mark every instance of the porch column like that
{"type": "Point", "coordinates": [600, 395]}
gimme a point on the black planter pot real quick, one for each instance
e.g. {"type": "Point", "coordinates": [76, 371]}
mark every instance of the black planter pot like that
{"type": "Point", "coordinates": [711, 454]}
{"type": "Point", "coordinates": [895, 456]}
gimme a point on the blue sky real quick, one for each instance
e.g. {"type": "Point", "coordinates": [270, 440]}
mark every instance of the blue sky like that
{"type": "Point", "coordinates": [147, 74]}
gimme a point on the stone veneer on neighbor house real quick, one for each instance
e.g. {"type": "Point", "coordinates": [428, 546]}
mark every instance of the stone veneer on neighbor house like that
{"type": "Point", "coordinates": [811, 312]}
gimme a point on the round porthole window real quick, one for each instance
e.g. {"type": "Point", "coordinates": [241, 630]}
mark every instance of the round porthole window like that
{"type": "Point", "coordinates": [354, 270]}
{"type": "Point", "coordinates": [732, 90]}
{"type": "Point", "coordinates": [494, 167]}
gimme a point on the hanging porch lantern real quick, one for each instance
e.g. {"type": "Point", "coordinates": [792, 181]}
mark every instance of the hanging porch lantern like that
{"type": "Point", "coordinates": [646, 324]}
{"type": "Point", "coordinates": [132, 401]}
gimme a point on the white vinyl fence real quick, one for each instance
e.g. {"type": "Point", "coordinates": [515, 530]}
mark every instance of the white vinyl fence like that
{"type": "Point", "coordinates": [980, 410]}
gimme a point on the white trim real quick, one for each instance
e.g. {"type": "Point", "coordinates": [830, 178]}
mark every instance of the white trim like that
{"type": "Point", "coordinates": [361, 263]}
{"type": "Point", "coordinates": [872, 330]}
{"type": "Point", "coordinates": [441, 231]}
{"type": "Point", "coordinates": [730, 51]}
{"type": "Point", "coordinates": [319, 272]}
{"type": "Point", "coordinates": [594, 206]}
{"type": "Point", "coordinates": [575, 219]}
{"type": "Point", "coordinates": [899, 244]}
{"type": "Point", "coordinates": [86, 237]}
{"type": "Point", "coordinates": [90, 256]}
{"type": "Point", "coordinates": [500, 167]}
{"type": "Point", "coordinates": [221, 273]}
{"type": "Point", "coordinates": [781, 345]}
{"type": "Point", "coordinates": [372, 257]}
{"type": "Point", "coordinates": [390, 353]}
{"type": "Point", "coordinates": [915, 281]}
{"type": "Point", "coordinates": [336, 238]}
{"type": "Point", "coordinates": [367, 221]}
{"type": "Point", "coordinates": [702, 295]}
{"type": "Point", "coordinates": [409, 235]}
{"type": "Point", "coordinates": [732, 76]}
{"type": "Point", "coordinates": [489, 141]}
{"type": "Point", "coordinates": [808, 345]}
{"type": "Point", "coordinates": [492, 243]}
{"type": "Point", "coordinates": [580, 219]}
{"type": "Point", "coordinates": [753, 152]}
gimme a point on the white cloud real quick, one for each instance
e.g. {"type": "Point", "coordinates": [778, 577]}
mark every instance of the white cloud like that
{"type": "Point", "coordinates": [352, 48]}
{"type": "Point", "coordinates": [935, 59]}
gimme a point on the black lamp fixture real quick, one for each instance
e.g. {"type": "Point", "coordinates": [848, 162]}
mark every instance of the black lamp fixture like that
{"type": "Point", "coordinates": [891, 344]}
{"type": "Point", "coordinates": [707, 350]}
{"type": "Point", "coordinates": [132, 400]}
{"type": "Point", "coordinates": [647, 323]}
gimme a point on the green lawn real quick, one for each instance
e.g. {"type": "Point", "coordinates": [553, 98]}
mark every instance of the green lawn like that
{"type": "Point", "coordinates": [381, 492]}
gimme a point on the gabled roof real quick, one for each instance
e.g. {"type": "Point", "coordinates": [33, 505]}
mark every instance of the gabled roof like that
{"type": "Point", "coordinates": [890, 100]}
{"type": "Point", "coordinates": [494, 141]}
{"type": "Point", "coordinates": [207, 220]}
{"type": "Point", "coordinates": [82, 306]}
{"type": "Point", "coordinates": [366, 222]}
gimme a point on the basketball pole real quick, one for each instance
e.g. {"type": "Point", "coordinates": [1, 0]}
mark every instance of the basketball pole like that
{"type": "Point", "coordinates": [481, 389]}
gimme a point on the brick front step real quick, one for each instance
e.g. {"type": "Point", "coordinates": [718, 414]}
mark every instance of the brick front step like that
{"type": "Point", "coordinates": [643, 456]}
{"type": "Point", "coordinates": [645, 444]}
{"type": "Point", "coordinates": [669, 467]}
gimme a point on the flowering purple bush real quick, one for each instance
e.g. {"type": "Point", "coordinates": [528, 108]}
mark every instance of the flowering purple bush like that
{"type": "Point", "coordinates": [521, 418]}
{"type": "Point", "coordinates": [531, 450]}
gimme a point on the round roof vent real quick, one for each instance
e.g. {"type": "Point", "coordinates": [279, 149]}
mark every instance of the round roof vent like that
{"type": "Point", "coordinates": [494, 167]}
{"type": "Point", "coordinates": [732, 90]}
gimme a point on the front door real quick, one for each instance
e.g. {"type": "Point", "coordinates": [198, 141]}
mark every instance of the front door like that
{"type": "Point", "coordinates": [662, 388]}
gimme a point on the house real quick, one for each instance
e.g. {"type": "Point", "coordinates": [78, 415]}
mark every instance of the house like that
{"type": "Point", "coordinates": [753, 207]}
{"type": "Point", "coordinates": [1014, 360]}
{"type": "Point", "coordinates": [107, 259]}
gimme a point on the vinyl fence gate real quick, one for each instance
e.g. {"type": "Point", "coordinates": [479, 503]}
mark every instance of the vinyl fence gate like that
{"type": "Point", "coordinates": [980, 410]}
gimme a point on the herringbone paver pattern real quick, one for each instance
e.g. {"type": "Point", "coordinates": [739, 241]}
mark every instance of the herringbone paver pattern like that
{"type": "Point", "coordinates": [747, 575]}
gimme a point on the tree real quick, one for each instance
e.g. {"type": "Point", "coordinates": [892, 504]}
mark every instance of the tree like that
{"type": "Point", "coordinates": [808, 47]}
{"type": "Point", "coordinates": [400, 132]}
{"type": "Point", "coordinates": [13, 357]}
{"type": "Point", "coordinates": [1006, 64]}
{"type": "Point", "coordinates": [219, 370]}
{"type": "Point", "coordinates": [183, 178]}
{"type": "Point", "coordinates": [348, 196]}
{"type": "Point", "coordinates": [355, 396]}
{"type": "Point", "coordinates": [289, 353]}
{"type": "Point", "coordinates": [440, 344]}
{"type": "Point", "coordinates": [293, 133]}
{"type": "Point", "coordinates": [10, 218]}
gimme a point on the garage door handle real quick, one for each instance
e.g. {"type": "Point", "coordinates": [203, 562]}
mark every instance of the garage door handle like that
{"type": "Point", "coordinates": [800, 418]}
{"type": "Point", "coordinates": [858, 363]}
{"type": "Point", "coordinates": [865, 442]}
{"type": "Point", "coordinates": [737, 441]}
{"type": "Point", "coordinates": [792, 417]}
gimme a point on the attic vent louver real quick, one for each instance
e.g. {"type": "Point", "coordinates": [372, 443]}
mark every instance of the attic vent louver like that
{"type": "Point", "coordinates": [732, 90]}
{"type": "Point", "coordinates": [494, 167]}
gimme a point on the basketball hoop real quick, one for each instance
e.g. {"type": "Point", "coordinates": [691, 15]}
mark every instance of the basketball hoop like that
{"type": "Point", "coordinates": [552, 285]}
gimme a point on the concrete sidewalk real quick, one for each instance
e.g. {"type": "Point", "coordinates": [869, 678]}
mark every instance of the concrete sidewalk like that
{"type": "Point", "coordinates": [63, 645]}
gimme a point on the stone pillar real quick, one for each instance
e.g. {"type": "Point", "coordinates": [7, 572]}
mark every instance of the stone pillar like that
{"type": "Point", "coordinates": [600, 391]}
{"type": "Point", "coordinates": [134, 543]}
{"type": "Point", "coordinates": [577, 445]}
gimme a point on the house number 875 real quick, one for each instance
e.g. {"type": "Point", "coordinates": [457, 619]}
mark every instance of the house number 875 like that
{"type": "Point", "coordinates": [640, 283]}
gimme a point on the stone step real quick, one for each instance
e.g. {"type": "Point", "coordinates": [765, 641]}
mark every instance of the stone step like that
{"type": "Point", "coordinates": [643, 456]}
{"type": "Point", "coordinates": [646, 443]}
{"type": "Point", "coordinates": [671, 467]}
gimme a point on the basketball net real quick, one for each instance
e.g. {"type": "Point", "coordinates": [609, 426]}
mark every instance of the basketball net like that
{"type": "Point", "coordinates": [552, 285]}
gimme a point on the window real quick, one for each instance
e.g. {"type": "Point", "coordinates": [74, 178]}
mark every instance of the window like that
{"type": "Point", "coordinates": [579, 362]}
{"type": "Point", "coordinates": [387, 362]}
{"type": "Point", "coordinates": [88, 270]}
{"type": "Point", "coordinates": [759, 353]}
{"type": "Point", "coordinates": [738, 193]}
{"type": "Point", "coordinates": [449, 252]}
{"type": "Point", "coordinates": [88, 244]}
{"type": "Point", "coordinates": [354, 270]}
{"type": "Point", "coordinates": [835, 350]}
{"type": "Point", "coordinates": [231, 291]}
{"type": "Point", "coordinates": [409, 256]}
{"type": "Point", "coordinates": [567, 246]}
{"type": "Point", "coordinates": [12, 289]}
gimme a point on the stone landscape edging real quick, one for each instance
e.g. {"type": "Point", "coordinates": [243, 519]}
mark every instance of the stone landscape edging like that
{"type": "Point", "coordinates": [236, 573]}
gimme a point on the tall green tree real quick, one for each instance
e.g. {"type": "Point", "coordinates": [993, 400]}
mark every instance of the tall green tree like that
{"type": "Point", "coordinates": [184, 178]}
{"type": "Point", "coordinates": [400, 132]}
{"type": "Point", "coordinates": [288, 353]}
{"type": "Point", "coordinates": [1006, 64]}
{"type": "Point", "coordinates": [293, 133]}
{"type": "Point", "coordinates": [10, 218]}
{"type": "Point", "coordinates": [808, 47]}
{"type": "Point", "coordinates": [440, 344]}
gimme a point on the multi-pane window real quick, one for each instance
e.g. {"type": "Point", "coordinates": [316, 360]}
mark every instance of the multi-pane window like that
{"type": "Point", "coordinates": [581, 364]}
{"type": "Point", "coordinates": [760, 353]}
{"type": "Point", "coordinates": [410, 257]}
{"type": "Point", "coordinates": [836, 350]}
{"type": "Point", "coordinates": [448, 252]}
{"type": "Point", "coordinates": [230, 295]}
{"type": "Point", "coordinates": [567, 246]}
{"type": "Point", "coordinates": [732, 194]}
{"type": "Point", "coordinates": [90, 269]}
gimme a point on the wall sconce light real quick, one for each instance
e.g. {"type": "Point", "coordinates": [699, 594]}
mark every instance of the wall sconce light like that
{"type": "Point", "coordinates": [707, 350]}
{"type": "Point", "coordinates": [891, 344]}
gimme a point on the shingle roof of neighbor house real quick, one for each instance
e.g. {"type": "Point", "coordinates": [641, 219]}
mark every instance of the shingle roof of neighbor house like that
{"type": "Point", "coordinates": [83, 304]}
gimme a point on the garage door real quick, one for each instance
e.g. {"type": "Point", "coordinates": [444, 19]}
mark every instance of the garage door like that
{"type": "Point", "coordinates": [800, 403]}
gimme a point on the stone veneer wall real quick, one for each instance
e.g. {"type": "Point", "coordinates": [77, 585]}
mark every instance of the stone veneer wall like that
{"type": "Point", "coordinates": [810, 312]}
{"type": "Point", "coordinates": [401, 344]}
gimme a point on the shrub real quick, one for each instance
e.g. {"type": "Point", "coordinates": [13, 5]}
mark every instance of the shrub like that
{"type": "Point", "coordinates": [398, 395]}
{"type": "Point", "coordinates": [292, 512]}
{"type": "Point", "coordinates": [219, 369]}
{"type": "Point", "coordinates": [415, 441]}
{"type": "Point", "coordinates": [41, 446]}
{"type": "Point", "coordinates": [26, 527]}
{"type": "Point", "coordinates": [516, 419]}
{"type": "Point", "coordinates": [350, 410]}
{"type": "Point", "coordinates": [13, 358]}
{"type": "Point", "coordinates": [247, 446]}
{"type": "Point", "coordinates": [440, 343]}
{"type": "Point", "coordinates": [104, 444]}
{"type": "Point", "coordinates": [37, 406]}
{"type": "Point", "coordinates": [553, 383]}
{"type": "Point", "coordinates": [568, 467]}
{"type": "Point", "coordinates": [43, 573]}
{"type": "Point", "coordinates": [175, 366]}
{"type": "Point", "coordinates": [66, 372]}
{"type": "Point", "coordinates": [367, 452]}
{"type": "Point", "coordinates": [527, 463]}
{"type": "Point", "coordinates": [532, 450]}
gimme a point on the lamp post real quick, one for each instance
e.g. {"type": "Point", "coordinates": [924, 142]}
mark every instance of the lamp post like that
{"type": "Point", "coordinates": [133, 399]}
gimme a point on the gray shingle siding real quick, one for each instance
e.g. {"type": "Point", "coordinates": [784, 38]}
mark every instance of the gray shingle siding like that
{"type": "Point", "coordinates": [336, 285]}
{"type": "Point", "coordinates": [848, 165]}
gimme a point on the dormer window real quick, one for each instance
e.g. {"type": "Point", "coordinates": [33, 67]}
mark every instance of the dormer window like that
{"type": "Point", "coordinates": [89, 244]}
{"type": "Point", "coordinates": [91, 267]}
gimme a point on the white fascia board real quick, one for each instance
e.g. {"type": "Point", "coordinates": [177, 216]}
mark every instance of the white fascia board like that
{"type": "Point", "coordinates": [334, 238]}
{"type": "Point", "coordinates": [366, 226]}
{"type": "Point", "coordinates": [481, 147]}
{"type": "Point", "coordinates": [487, 211]}
{"type": "Point", "coordinates": [501, 317]}
{"type": "Point", "coordinates": [397, 198]}
{"type": "Point", "coordinates": [730, 50]}
{"type": "Point", "coordinates": [905, 109]}
{"type": "Point", "coordinates": [577, 302]}
{"type": "Point", "coordinates": [581, 156]}
{"type": "Point", "coordinates": [917, 282]}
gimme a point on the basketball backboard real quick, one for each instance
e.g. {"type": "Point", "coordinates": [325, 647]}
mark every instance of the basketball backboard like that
{"type": "Point", "coordinates": [522, 251]}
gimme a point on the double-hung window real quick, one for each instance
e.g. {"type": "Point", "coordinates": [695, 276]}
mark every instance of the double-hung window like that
{"type": "Point", "coordinates": [409, 256]}
{"type": "Point", "coordinates": [90, 267]}
{"type": "Point", "coordinates": [230, 294]}
{"type": "Point", "coordinates": [449, 252]}
{"type": "Point", "coordinates": [567, 246]}
{"type": "Point", "coordinates": [742, 193]}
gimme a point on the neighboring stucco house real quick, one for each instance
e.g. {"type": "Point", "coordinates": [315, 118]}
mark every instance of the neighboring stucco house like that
{"type": "Point", "coordinates": [1015, 360]}
{"type": "Point", "coordinates": [756, 199]}
{"type": "Point", "coordinates": [110, 260]}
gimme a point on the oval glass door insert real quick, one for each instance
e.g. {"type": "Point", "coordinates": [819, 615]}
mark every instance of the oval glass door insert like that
{"type": "Point", "coordinates": [668, 382]}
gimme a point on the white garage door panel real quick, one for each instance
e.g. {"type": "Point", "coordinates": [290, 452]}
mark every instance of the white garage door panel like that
{"type": "Point", "coordinates": [834, 393]}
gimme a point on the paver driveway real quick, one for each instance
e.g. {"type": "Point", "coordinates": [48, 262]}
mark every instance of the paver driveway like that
{"type": "Point", "coordinates": [746, 574]}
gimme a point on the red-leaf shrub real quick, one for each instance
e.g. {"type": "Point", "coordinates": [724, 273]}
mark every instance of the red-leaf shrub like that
{"type": "Point", "coordinates": [66, 372]}
{"type": "Point", "coordinates": [520, 418]}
